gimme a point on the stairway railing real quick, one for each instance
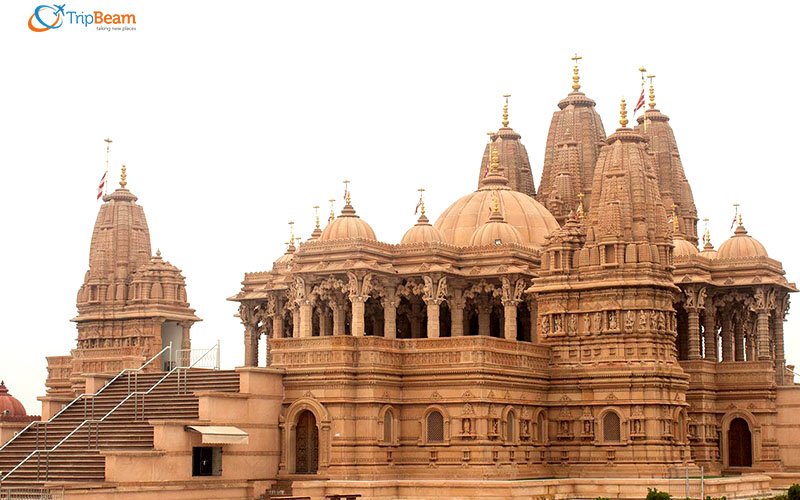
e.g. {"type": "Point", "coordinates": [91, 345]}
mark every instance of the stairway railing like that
{"type": "Point", "coordinates": [41, 454]}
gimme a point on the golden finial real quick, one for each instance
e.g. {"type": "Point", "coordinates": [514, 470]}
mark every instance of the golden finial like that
{"type": "Point", "coordinates": [291, 232]}
{"type": "Point", "coordinates": [575, 77]}
{"type": "Point", "coordinates": [675, 226]}
{"type": "Point", "coordinates": [316, 215]}
{"type": "Point", "coordinates": [738, 215]}
{"type": "Point", "coordinates": [580, 205]}
{"type": "Point", "coordinates": [495, 202]}
{"type": "Point", "coordinates": [495, 162]}
{"type": "Point", "coordinates": [505, 110]}
{"type": "Point", "coordinates": [122, 177]}
{"type": "Point", "coordinates": [346, 192]}
{"type": "Point", "coordinates": [707, 236]}
{"type": "Point", "coordinates": [421, 201]}
{"type": "Point", "coordinates": [623, 114]}
{"type": "Point", "coordinates": [652, 93]}
{"type": "Point", "coordinates": [332, 215]}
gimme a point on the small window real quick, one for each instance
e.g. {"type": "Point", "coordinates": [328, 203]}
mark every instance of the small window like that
{"type": "Point", "coordinates": [611, 430]}
{"type": "Point", "coordinates": [510, 427]}
{"type": "Point", "coordinates": [540, 428]}
{"type": "Point", "coordinates": [387, 427]}
{"type": "Point", "coordinates": [206, 461]}
{"type": "Point", "coordinates": [435, 423]}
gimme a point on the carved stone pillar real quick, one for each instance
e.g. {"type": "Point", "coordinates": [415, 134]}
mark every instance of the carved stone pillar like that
{"type": "Point", "coordinates": [510, 319]}
{"type": "Point", "coordinates": [433, 317]}
{"type": "Point", "coordinates": [693, 333]}
{"type": "Point", "coordinates": [484, 316]}
{"type": "Point", "coordinates": [727, 340]}
{"type": "Point", "coordinates": [338, 319]}
{"type": "Point", "coordinates": [277, 326]}
{"type": "Point", "coordinates": [357, 325]}
{"type": "Point", "coordinates": [250, 347]}
{"type": "Point", "coordinates": [457, 313]}
{"type": "Point", "coordinates": [710, 332]}
{"type": "Point", "coordinates": [738, 339]}
{"type": "Point", "coordinates": [533, 307]}
{"type": "Point", "coordinates": [305, 319]}
{"type": "Point", "coordinates": [762, 334]}
{"type": "Point", "coordinates": [780, 360]}
{"type": "Point", "coordinates": [751, 342]}
{"type": "Point", "coordinates": [390, 304]}
{"type": "Point", "coordinates": [296, 322]}
{"type": "Point", "coordinates": [186, 341]}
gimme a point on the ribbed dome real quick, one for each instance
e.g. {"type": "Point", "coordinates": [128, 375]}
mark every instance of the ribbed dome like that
{"type": "Point", "coordinates": [495, 232]}
{"type": "Point", "coordinates": [530, 219]}
{"type": "Point", "coordinates": [10, 407]}
{"type": "Point", "coordinates": [285, 260]}
{"type": "Point", "coordinates": [422, 232]}
{"type": "Point", "coordinates": [684, 248]}
{"type": "Point", "coordinates": [347, 226]}
{"type": "Point", "coordinates": [708, 251]}
{"type": "Point", "coordinates": [741, 246]}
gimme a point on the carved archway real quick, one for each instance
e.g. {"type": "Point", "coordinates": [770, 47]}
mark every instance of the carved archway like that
{"type": "Point", "coordinates": [740, 444]}
{"type": "Point", "coordinates": [306, 427]}
{"type": "Point", "coordinates": [306, 445]}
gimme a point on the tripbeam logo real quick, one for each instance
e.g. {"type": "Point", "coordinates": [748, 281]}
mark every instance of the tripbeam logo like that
{"type": "Point", "coordinates": [50, 17]}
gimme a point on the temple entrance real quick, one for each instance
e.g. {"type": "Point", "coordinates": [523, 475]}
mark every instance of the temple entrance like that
{"type": "Point", "coordinates": [739, 444]}
{"type": "Point", "coordinates": [171, 332]}
{"type": "Point", "coordinates": [306, 444]}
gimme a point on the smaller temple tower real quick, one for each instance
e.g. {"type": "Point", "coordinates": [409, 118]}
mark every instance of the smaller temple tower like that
{"type": "Point", "coordinates": [130, 305]}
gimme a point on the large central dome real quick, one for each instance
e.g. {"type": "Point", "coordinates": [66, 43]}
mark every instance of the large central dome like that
{"type": "Point", "coordinates": [526, 215]}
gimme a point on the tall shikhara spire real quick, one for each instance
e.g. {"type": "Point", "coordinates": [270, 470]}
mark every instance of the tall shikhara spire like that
{"type": "Point", "coordinates": [573, 144]}
{"type": "Point", "coordinates": [512, 156]}
{"type": "Point", "coordinates": [672, 182]}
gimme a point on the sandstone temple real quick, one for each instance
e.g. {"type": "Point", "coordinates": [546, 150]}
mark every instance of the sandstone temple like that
{"type": "Point", "coordinates": [565, 340]}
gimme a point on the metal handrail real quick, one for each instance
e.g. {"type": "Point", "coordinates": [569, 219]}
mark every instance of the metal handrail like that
{"type": "Point", "coordinates": [84, 395]}
{"type": "Point", "coordinates": [102, 419]}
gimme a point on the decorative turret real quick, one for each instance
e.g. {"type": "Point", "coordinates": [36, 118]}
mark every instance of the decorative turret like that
{"type": "Point", "coordinates": [422, 232]}
{"type": "Point", "coordinates": [573, 145]}
{"type": "Point", "coordinates": [672, 182]}
{"type": "Point", "coordinates": [348, 225]}
{"type": "Point", "coordinates": [512, 156]}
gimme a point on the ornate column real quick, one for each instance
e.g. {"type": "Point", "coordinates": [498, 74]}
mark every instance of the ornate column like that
{"type": "Point", "coordinates": [247, 314]}
{"type": "Point", "coordinates": [694, 302]}
{"type": "Point", "coordinates": [751, 344]}
{"type": "Point", "coordinates": [763, 299]}
{"type": "Point", "coordinates": [777, 329]}
{"type": "Point", "coordinates": [358, 293]}
{"type": "Point", "coordinates": [533, 308]}
{"type": "Point", "coordinates": [710, 331]}
{"type": "Point", "coordinates": [484, 315]}
{"type": "Point", "coordinates": [727, 339]}
{"type": "Point", "coordinates": [357, 326]}
{"type": "Point", "coordinates": [338, 318]}
{"type": "Point", "coordinates": [390, 303]}
{"type": "Point", "coordinates": [433, 293]}
{"type": "Point", "coordinates": [186, 341]}
{"type": "Point", "coordinates": [738, 337]}
{"type": "Point", "coordinates": [277, 325]}
{"type": "Point", "coordinates": [456, 302]}
{"type": "Point", "coordinates": [433, 317]}
{"type": "Point", "coordinates": [296, 322]}
{"type": "Point", "coordinates": [511, 298]}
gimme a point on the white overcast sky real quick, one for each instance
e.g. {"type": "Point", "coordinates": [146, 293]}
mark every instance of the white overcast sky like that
{"type": "Point", "coordinates": [235, 117]}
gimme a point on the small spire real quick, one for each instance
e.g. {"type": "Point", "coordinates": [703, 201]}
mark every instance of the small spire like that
{"type": "Point", "coordinates": [122, 178]}
{"type": "Point", "coordinates": [158, 253]}
{"type": "Point", "coordinates": [576, 86]}
{"type": "Point", "coordinates": [316, 216]}
{"type": "Point", "coordinates": [652, 93]}
{"type": "Point", "coordinates": [737, 215]}
{"type": "Point", "coordinates": [505, 110]}
{"type": "Point", "coordinates": [580, 205]}
{"type": "Point", "coordinates": [421, 202]}
{"type": "Point", "coordinates": [332, 215]}
{"type": "Point", "coordinates": [623, 114]}
{"type": "Point", "coordinates": [346, 192]}
{"type": "Point", "coordinates": [291, 233]}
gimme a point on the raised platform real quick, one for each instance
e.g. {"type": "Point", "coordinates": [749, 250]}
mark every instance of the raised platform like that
{"type": "Point", "coordinates": [746, 486]}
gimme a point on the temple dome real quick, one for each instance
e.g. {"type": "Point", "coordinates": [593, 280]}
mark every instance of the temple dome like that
{"type": "Point", "coordinates": [741, 246]}
{"type": "Point", "coordinates": [347, 226]}
{"type": "Point", "coordinates": [527, 216]}
{"type": "Point", "coordinates": [708, 251]}
{"type": "Point", "coordinates": [684, 248]}
{"type": "Point", "coordinates": [10, 407]}
{"type": "Point", "coordinates": [495, 232]}
{"type": "Point", "coordinates": [285, 260]}
{"type": "Point", "coordinates": [422, 232]}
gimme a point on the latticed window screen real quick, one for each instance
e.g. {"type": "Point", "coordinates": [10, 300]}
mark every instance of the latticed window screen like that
{"type": "Point", "coordinates": [510, 427]}
{"type": "Point", "coordinates": [435, 427]}
{"type": "Point", "coordinates": [387, 427]}
{"type": "Point", "coordinates": [611, 430]}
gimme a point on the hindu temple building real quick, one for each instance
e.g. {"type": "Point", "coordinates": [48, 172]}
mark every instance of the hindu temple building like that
{"type": "Point", "coordinates": [527, 342]}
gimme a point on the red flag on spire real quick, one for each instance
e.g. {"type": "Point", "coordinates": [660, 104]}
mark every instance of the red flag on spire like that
{"type": "Point", "coordinates": [101, 187]}
{"type": "Point", "coordinates": [416, 209]}
{"type": "Point", "coordinates": [640, 102]}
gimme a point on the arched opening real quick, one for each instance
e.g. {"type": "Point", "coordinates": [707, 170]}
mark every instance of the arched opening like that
{"type": "Point", "coordinates": [540, 431]}
{"type": "Point", "coordinates": [388, 431]}
{"type": "Point", "coordinates": [306, 444]}
{"type": "Point", "coordinates": [611, 427]}
{"type": "Point", "coordinates": [373, 317]}
{"type": "Point", "coordinates": [316, 322]}
{"type": "Point", "coordinates": [288, 323]}
{"type": "Point", "coordinates": [403, 319]}
{"type": "Point", "coordinates": [172, 333]}
{"type": "Point", "coordinates": [523, 322]}
{"type": "Point", "coordinates": [434, 427]}
{"type": "Point", "coordinates": [510, 427]}
{"type": "Point", "coordinates": [473, 324]}
{"type": "Point", "coordinates": [496, 322]}
{"type": "Point", "coordinates": [445, 320]}
{"type": "Point", "coordinates": [740, 451]}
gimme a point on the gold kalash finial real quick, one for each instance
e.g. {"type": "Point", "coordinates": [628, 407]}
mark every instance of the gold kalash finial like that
{"type": "Point", "coordinates": [122, 178]}
{"type": "Point", "coordinates": [495, 161]}
{"type": "Point", "coordinates": [346, 192]}
{"type": "Point", "coordinates": [421, 202]}
{"type": "Point", "coordinates": [291, 233]}
{"type": "Point", "coordinates": [576, 86]}
{"type": "Point", "coordinates": [623, 113]}
{"type": "Point", "coordinates": [652, 93]}
{"type": "Point", "coordinates": [332, 215]}
{"type": "Point", "coordinates": [316, 215]}
{"type": "Point", "coordinates": [505, 110]}
{"type": "Point", "coordinates": [495, 202]}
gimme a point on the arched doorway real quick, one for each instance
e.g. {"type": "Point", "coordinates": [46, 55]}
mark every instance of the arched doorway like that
{"type": "Point", "coordinates": [306, 444]}
{"type": "Point", "coordinates": [739, 444]}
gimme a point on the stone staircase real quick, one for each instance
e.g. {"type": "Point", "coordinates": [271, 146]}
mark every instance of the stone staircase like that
{"type": "Point", "coordinates": [78, 458]}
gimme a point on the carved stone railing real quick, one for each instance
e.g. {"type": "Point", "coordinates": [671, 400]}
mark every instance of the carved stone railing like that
{"type": "Point", "coordinates": [407, 354]}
